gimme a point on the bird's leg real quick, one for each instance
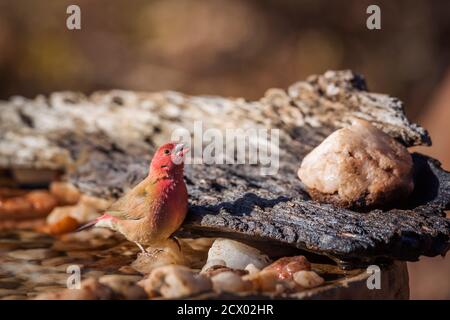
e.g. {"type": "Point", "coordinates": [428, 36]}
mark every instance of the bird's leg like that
{"type": "Point", "coordinates": [151, 254]}
{"type": "Point", "coordinates": [141, 247]}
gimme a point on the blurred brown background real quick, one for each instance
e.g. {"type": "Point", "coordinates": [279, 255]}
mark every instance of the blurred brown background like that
{"type": "Point", "coordinates": [238, 48]}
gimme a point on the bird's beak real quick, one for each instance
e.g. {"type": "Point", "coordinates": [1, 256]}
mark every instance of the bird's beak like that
{"type": "Point", "coordinates": [180, 150]}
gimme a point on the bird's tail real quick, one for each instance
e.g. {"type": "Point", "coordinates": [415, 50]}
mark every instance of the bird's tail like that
{"type": "Point", "coordinates": [87, 225]}
{"type": "Point", "coordinates": [94, 222]}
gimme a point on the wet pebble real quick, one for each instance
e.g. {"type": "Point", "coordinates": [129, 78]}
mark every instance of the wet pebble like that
{"type": "Point", "coordinates": [20, 268]}
{"type": "Point", "coordinates": [57, 261]}
{"type": "Point", "coordinates": [32, 254]}
{"type": "Point", "coordinates": [128, 270]}
{"type": "Point", "coordinates": [9, 283]}
{"type": "Point", "coordinates": [14, 297]}
{"type": "Point", "coordinates": [46, 279]}
{"type": "Point", "coordinates": [10, 292]}
{"type": "Point", "coordinates": [124, 285]}
{"type": "Point", "coordinates": [48, 288]}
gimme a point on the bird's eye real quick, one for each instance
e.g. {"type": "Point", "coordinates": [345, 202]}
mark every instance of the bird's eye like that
{"type": "Point", "coordinates": [166, 151]}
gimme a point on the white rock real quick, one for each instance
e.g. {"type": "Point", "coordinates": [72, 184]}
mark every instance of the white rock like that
{"type": "Point", "coordinates": [359, 165]}
{"type": "Point", "coordinates": [308, 279]}
{"type": "Point", "coordinates": [231, 282]}
{"type": "Point", "coordinates": [252, 269]}
{"type": "Point", "coordinates": [212, 263]}
{"type": "Point", "coordinates": [235, 255]}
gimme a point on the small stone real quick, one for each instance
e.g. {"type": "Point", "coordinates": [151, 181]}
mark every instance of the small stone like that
{"type": "Point", "coordinates": [48, 288]}
{"type": "Point", "coordinates": [66, 193]}
{"type": "Point", "coordinates": [95, 274]}
{"type": "Point", "coordinates": [57, 261]}
{"type": "Point", "coordinates": [124, 285]}
{"type": "Point", "coordinates": [10, 292]}
{"type": "Point", "coordinates": [32, 254]}
{"type": "Point", "coordinates": [65, 267]}
{"type": "Point", "coordinates": [115, 281]}
{"type": "Point", "coordinates": [64, 225]}
{"type": "Point", "coordinates": [96, 203]}
{"type": "Point", "coordinates": [129, 270]}
{"type": "Point", "coordinates": [47, 279]}
{"type": "Point", "coordinates": [134, 292]}
{"type": "Point", "coordinates": [213, 263]}
{"type": "Point", "coordinates": [82, 254]}
{"type": "Point", "coordinates": [175, 282]}
{"type": "Point", "coordinates": [285, 267]}
{"type": "Point", "coordinates": [111, 263]}
{"type": "Point", "coordinates": [308, 279]}
{"type": "Point", "coordinates": [235, 254]}
{"type": "Point", "coordinates": [20, 268]}
{"type": "Point", "coordinates": [230, 281]}
{"type": "Point", "coordinates": [33, 236]}
{"type": "Point", "coordinates": [278, 277]}
{"type": "Point", "coordinates": [14, 297]}
{"type": "Point", "coordinates": [71, 215]}
{"type": "Point", "coordinates": [90, 289]}
{"type": "Point", "coordinates": [251, 269]}
{"type": "Point", "coordinates": [93, 239]}
{"type": "Point", "coordinates": [42, 201]}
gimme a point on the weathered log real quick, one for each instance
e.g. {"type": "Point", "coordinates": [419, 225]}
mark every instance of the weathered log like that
{"type": "Point", "coordinates": [104, 142]}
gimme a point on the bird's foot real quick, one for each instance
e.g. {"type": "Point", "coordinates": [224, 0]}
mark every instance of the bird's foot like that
{"type": "Point", "coordinates": [153, 253]}
{"type": "Point", "coordinates": [141, 247]}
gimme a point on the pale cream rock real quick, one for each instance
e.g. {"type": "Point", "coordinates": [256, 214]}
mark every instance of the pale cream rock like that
{"type": "Point", "coordinates": [252, 269]}
{"type": "Point", "coordinates": [32, 254]}
{"type": "Point", "coordinates": [90, 289]}
{"type": "Point", "coordinates": [268, 281]}
{"type": "Point", "coordinates": [308, 279]}
{"type": "Point", "coordinates": [175, 281]}
{"type": "Point", "coordinates": [231, 282]}
{"type": "Point", "coordinates": [87, 209]}
{"type": "Point", "coordinates": [65, 192]}
{"type": "Point", "coordinates": [235, 255]}
{"type": "Point", "coordinates": [212, 263]}
{"type": "Point", "coordinates": [124, 285]}
{"type": "Point", "coordinates": [358, 166]}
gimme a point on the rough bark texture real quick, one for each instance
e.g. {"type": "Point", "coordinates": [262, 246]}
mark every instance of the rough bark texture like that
{"type": "Point", "coordinates": [104, 143]}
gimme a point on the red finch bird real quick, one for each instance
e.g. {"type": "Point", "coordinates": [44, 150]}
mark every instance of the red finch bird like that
{"type": "Point", "coordinates": [153, 210]}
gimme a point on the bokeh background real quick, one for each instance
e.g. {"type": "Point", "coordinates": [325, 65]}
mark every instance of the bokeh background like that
{"type": "Point", "coordinates": [239, 48]}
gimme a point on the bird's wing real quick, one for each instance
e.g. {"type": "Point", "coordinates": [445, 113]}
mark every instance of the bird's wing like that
{"type": "Point", "coordinates": [134, 205]}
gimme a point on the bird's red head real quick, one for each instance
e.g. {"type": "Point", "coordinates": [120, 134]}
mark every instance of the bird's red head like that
{"type": "Point", "coordinates": [169, 158]}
